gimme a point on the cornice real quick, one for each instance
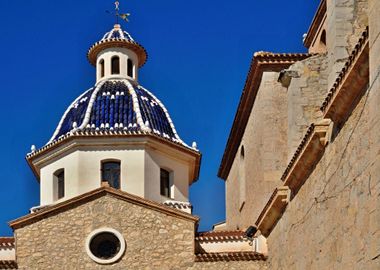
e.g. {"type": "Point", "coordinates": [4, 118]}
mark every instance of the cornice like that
{"type": "Point", "coordinates": [117, 43]}
{"type": "Point", "coordinates": [261, 62]}
{"type": "Point", "coordinates": [351, 81]}
{"type": "Point", "coordinates": [87, 138]}
{"type": "Point", "coordinates": [316, 23]}
{"type": "Point", "coordinates": [273, 210]}
{"type": "Point", "coordinates": [92, 195]}
{"type": "Point", "coordinates": [307, 155]}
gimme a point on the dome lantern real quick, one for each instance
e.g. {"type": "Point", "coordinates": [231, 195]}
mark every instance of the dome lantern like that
{"type": "Point", "coordinates": [117, 55]}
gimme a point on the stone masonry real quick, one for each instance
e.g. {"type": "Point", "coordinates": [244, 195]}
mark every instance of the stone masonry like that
{"type": "Point", "coordinates": [331, 214]}
{"type": "Point", "coordinates": [154, 240]}
{"type": "Point", "coordinates": [304, 97]}
{"type": "Point", "coordinates": [265, 134]}
{"type": "Point", "coordinates": [346, 20]}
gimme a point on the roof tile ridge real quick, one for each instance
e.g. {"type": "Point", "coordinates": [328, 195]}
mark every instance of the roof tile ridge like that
{"type": "Point", "coordinates": [166, 114]}
{"type": "Point", "coordinates": [65, 114]}
{"type": "Point", "coordinates": [87, 115]}
{"type": "Point", "coordinates": [136, 107]}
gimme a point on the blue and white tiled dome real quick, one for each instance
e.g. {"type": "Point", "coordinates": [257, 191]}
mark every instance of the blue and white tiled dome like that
{"type": "Point", "coordinates": [117, 33]}
{"type": "Point", "coordinates": [118, 106]}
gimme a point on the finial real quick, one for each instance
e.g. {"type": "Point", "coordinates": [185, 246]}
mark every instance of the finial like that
{"type": "Point", "coordinates": [194, 145]}
{"type": "Point", "coordinates": [33, 148]}
{"type": "Point", "coordinates": [123, 16]}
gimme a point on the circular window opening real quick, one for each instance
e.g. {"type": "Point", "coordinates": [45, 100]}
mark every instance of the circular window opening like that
{"type": "Point", "coordinates": [105, 246]}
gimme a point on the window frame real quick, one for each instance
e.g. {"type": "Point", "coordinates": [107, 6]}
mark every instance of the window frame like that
{"type": "Point", "coordinates": [102, 163]}
{"type": "Point", "coordinates": [59, 184]}
{"type": "Point", "coordinates": [130, 68]}
{"type": "Point", "coordinates": [115, 68]}
{"type": "Point", "coordinates": [169, 185]}
{"type": "Point", "coordinates": [102, 68]}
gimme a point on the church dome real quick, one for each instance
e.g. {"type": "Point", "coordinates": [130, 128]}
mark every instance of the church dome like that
{"type": "Point", "coordinates": [117, 106]}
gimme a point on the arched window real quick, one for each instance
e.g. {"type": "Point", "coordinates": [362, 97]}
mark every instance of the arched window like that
{"type": "Point", "coordinates": [59, 184]}
{"type": "Point", "coordinates": [101, 68]}
{"type": "Point", "coordinates": [165, 183]}
{"type": "Point", "coordinates": [111, 173]}
{"type": "Point", "coordinates": [323, 38]}
{"type": "Point", "coordinates": [130, 68]}
{"type": "Point", "coordinates": [115, 65]}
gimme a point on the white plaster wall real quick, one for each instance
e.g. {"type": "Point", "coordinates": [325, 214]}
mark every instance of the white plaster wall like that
{"type": "Point", "coordinates": [140, 172]}
{"type": "Point", "coordinates": [154, 161]}
{"type": "Point", "coordinates": [131, 171]}
{"type": "Point", "coordinates": [70, 163]}
{"type": "Point", "coordinates": [7, 254]}
{"type": "Point", "coordinates": [124, 54]}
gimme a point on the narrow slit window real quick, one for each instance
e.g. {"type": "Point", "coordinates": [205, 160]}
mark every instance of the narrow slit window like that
{"type": "Point", "coordinates": [59, 185]}
{"type": "Point", "coordinates": [130, 68]}
{"type": "Point", "coordinates": [115, 65]}
{"type": "Point", "coordinates": [165, 183]}
{"type": "Point", "coordinates": [323, 38]}
{"type": "Point", "coordinates": [101, 67]}
{"type": "Point", "coordinates": [111, 173]}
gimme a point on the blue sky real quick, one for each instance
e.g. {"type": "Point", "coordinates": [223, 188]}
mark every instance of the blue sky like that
{"type": "Point", "coordinates": [199, 56]}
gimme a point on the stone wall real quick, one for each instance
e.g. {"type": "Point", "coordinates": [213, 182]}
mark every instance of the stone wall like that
{"type": "Point", "coordinates": [334, 220]}
{"type": "Point", "coordinates": [374, 124]}
{"type": "Point", "coordinates": [346, 20]}
{"type": "Point", "coordinates": [306, 93]}
{"type": "Point", "coordinates": [154, 240]}
{"type": "Point", "coordinates": [264, 135]}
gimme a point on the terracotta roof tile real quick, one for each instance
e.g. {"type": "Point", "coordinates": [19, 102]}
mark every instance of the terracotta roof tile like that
{"type": "Point", "coordinates": [305, 139]}
{"type": "Point", "coordinates": [7, 242]}
{"type": "Point", "coordinates": [8, 265]}
{"type": "Point", "coordinates": [344, 72]}
{"type": "Point", "coordinates": [220, 235]}
{"type": "Point", "coordinates": [230, 256]}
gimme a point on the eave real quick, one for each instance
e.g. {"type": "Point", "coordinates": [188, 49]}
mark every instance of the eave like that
{"type": "Point", "coordinates": [273, 210]}
{"type": "Point", "coordinates": [351, 82]}
{"type": "Point", "coordinates": [230, 256]}
{"type": "Point", "coordinates": [261, 62]}
{"type": "Point", "coordinates": [307, 155]}
{"type": "Point", "coordinates": [117, 43]}
{"type": "Point", "coordinates": [316, 23]}
{"type": "Point", "coordinates": [71, 138]}
{"type": "Point", "coordinates": [92, 195]}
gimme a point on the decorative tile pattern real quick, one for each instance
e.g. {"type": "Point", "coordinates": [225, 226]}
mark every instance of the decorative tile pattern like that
{"type": "Point", "coordinates": [117, 105]}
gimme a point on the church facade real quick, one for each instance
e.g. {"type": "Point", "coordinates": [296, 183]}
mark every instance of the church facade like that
{"type": "Point", "coordinates": [301, 165]}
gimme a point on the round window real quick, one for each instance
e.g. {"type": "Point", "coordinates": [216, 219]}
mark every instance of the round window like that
{"type": "Point", "coordinates": [105, 246]}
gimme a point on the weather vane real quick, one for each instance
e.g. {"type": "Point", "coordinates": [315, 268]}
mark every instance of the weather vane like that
{"type": "Point", "coordinates": [123, 16]}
